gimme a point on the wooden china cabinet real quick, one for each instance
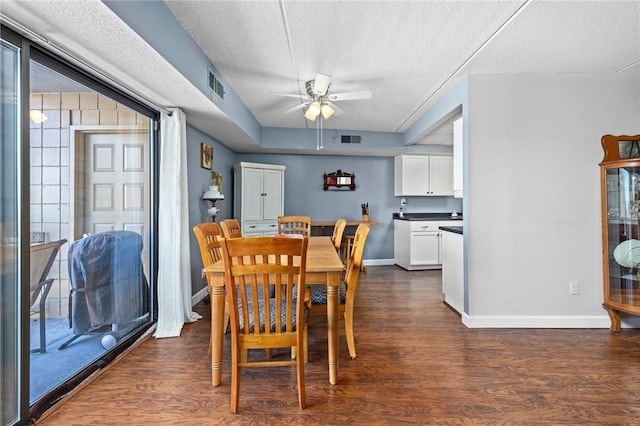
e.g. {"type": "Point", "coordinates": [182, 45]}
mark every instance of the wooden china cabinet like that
{"type": "Point", "coordinates": [620, 193]}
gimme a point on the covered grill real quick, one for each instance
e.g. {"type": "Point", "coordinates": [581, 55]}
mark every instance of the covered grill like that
{"type": "Point", "coordinates": [109, 291]}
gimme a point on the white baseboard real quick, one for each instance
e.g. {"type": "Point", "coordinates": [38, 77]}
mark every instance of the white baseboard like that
{"type": "Point", "coordinates": [199, 295]}
{"type": "Point", "coordinates": [580, 321]}
{"type": "Point", "coordinates": [377, 262]}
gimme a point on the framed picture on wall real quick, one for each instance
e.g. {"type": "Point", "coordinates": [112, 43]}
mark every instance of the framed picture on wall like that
{"type": "Point", "coordinates": [206, 156]}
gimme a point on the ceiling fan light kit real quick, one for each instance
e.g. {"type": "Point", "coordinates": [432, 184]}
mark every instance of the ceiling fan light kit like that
{"type": "Point", "coordinates": [318, 102]}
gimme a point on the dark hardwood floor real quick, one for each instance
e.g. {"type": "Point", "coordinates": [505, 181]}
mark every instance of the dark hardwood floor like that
{"type": "Point", "coordinates": [417, 364]}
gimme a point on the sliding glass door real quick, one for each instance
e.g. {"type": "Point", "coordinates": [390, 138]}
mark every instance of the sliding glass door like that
{"type": "Point", "coordinates": [89, 202]}
{"type": "Point", "coordinates": [77, 273]}
{"type": "Point", "coordinates": [10, 330]}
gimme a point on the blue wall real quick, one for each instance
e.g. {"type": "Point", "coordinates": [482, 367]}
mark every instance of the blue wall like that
{"type": "Point", "coordinates": [199, 180]}
{"type": "Point", "coordinates": [304, 193]}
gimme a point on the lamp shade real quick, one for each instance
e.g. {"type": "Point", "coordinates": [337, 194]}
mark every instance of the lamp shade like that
{"type": "Point", "coordinates": [327, 111]}
{"type": "Point", "coordinates": [314, 108]}
{"type": "Point", "coordinates": [213, 194]}
{"type": "Point", "coordinates": [313, 111]}
{"type": "Point", "coordinates": [309, 116]}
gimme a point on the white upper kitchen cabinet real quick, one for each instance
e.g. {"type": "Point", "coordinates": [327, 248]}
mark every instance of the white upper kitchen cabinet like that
{"type": "Point", "coordinates": [457, 158]}
{"type": "Point", "coordinates": [258, 197]}
{"type": "Point", "coordinates": [423, 175]}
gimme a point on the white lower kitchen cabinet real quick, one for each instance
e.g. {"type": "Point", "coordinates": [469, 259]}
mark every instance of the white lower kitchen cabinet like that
{"type": "Point", "coordinates": [453, 270]}
{"type": "Point", "coordinates": [418, 244]}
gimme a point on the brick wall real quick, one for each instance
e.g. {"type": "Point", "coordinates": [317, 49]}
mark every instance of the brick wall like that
{"type": "Point", "coordinates": [50, 170]}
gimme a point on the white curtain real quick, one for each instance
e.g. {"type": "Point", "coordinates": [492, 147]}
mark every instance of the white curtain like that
{"type": "Point", "coordinates": [174, 275]}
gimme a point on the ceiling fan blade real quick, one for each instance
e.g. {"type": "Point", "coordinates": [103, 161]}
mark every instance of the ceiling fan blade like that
{"type": "Point", "coordinates": [296, 108]}
{"type": "Point", "coordinates": [321, 84]}
{"type": "Point", "coordinates": [349, 96]}
{"type": "Point", "coordinates": [289, 95]}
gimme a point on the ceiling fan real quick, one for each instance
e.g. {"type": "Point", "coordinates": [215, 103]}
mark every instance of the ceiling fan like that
{"type": "Point", "coordinates": [319, 102]}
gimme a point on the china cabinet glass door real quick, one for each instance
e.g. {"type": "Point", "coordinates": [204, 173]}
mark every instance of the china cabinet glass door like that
{"type": "Point", "coordinates": [623, 210]}
{"type": "Point", "coordinates": [620, 180]}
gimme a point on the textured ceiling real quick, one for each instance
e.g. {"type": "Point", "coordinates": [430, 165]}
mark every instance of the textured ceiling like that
{"type": "Point", "coordinates": [408, 53]}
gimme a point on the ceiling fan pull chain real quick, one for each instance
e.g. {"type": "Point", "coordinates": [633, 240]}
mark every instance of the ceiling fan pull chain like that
{"type": "Point", "coordinates": [321, 132]}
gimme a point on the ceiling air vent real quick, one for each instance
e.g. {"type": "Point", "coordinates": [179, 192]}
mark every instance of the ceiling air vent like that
{"type": "Point", "coordinates": [216, 86]}
{"type": "Point", "coordinates": [351, 139]}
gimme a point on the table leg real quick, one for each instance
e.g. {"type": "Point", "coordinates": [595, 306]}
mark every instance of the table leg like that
{"type": "Point", "coordinates": [333, 320]}
{"type": "Point", "coordinates": [217, 332]}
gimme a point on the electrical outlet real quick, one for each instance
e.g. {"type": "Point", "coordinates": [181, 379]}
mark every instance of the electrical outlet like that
{"type": "Point", "coordinates": [574, 288]}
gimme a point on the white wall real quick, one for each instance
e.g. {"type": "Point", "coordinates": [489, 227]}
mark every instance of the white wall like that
{"type": "Point", "coordinates": [533, 219]}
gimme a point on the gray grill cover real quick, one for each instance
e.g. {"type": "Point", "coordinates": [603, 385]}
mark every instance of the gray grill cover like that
{"type": "Point", "coordinates": [108, 286]}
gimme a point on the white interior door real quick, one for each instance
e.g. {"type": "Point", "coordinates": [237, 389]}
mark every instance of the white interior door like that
{"type": "Point", "coordinates": [112, 177]}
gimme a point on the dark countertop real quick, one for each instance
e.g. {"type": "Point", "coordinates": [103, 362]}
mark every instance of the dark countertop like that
{"type": "Point", "coordinates": [427, 216]}
{"type": "Point", "coordinates": [454, 229]}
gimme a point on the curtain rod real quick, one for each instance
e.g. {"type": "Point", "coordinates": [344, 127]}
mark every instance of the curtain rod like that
{"type": "Point", "coordinates": [43, 41]}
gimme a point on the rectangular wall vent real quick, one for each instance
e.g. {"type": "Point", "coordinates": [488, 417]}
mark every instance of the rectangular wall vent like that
{"type": "Point", "coordinates": [216, 86]}
{"type": "Point", "coordinates": [351, 139]}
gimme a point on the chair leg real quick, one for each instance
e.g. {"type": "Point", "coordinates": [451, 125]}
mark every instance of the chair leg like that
{"type": "Point", "coordinates": [302, 395]}
{"type": "Point", "coordinates": [42, 315]}
{"type": "Point", "coordinates": [235, 378]}
{"type": "Point", "coordinates": [43, 338]}
{"type": "Point", "coordinates": [348, 330]}
{"type": "Point", "coordinates": [226, 318]}
{"type": "Point", "coordinates": [305, 345]}
{"type": "Point", "coordinates": [43, 330]}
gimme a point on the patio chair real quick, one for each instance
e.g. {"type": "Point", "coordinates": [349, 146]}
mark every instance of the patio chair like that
{"type": "Point", "coordinates": [42, 257]}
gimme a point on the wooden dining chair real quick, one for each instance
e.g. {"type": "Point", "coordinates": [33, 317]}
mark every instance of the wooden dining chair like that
{"type": "Point", "coordinates": [257, 320]}
{"type": "Point", "coordinates": [231, 228]}
{"type": "Point", "coordinates": [209, 236]}
{"type": "Point", "coordinates": [347, 294]}
{"type": "Point", "coordinates": [294, 224]}
{"type": "Point", "coordinates": [41, 259]}
{"type": "Point", "coordinates": [338, 230]}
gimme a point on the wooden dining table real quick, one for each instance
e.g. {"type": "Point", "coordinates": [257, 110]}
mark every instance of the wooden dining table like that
{"type": "Point", "coordinates": [324, 267]}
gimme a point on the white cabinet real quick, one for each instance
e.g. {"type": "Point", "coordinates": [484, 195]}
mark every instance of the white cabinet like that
{"type": "Point", "coordinates": [258, 197]}
{"type": "Point", "coordinates": [453, 270]}
{"type": "Point", "coordinates": [457, 158]}
{"type": "Point", "coordinates": [418, 244]}
{"type": "Point", "coordinates": [423, 175]}
{"type": "Point", "coordinates": [425, 244]}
